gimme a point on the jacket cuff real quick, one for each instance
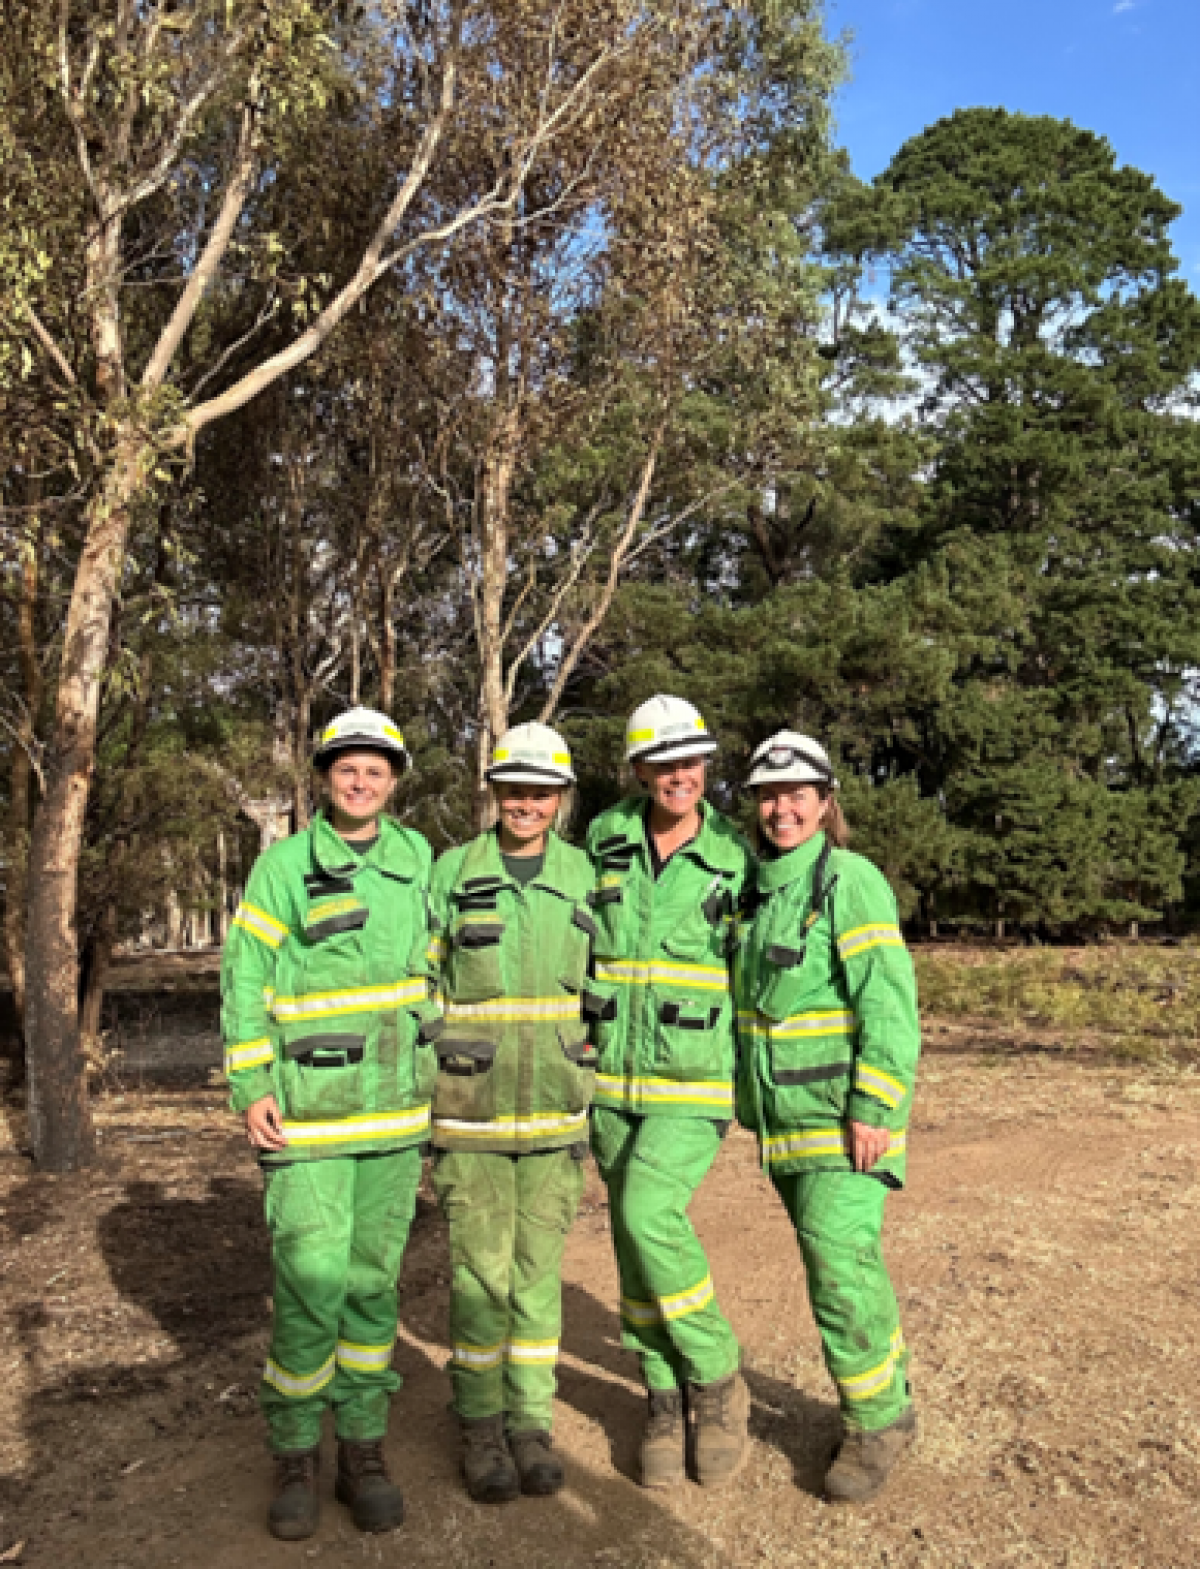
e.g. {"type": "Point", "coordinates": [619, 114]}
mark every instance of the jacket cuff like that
{"type": "Point", "coordinates": [866, 1108]}
{"type": "Point", "coordinates": [248, 1085]}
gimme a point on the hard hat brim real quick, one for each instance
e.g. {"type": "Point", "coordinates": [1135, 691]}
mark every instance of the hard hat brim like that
{"type": "Point", "coordinates": [674, 751]}
{"type": "Point", "coordinates": [797, 773]}
{"type": "Point", "coordinates": [362, 743]}
{"type": "Point", "coordinates": [526, 773]}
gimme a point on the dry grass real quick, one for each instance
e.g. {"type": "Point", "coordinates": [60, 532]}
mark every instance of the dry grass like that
{"type": "Point", "coordinates": [1125, 1001]}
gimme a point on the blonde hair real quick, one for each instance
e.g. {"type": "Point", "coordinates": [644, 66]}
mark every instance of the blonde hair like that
{"type": "Point", "coordinates": [562, 817]}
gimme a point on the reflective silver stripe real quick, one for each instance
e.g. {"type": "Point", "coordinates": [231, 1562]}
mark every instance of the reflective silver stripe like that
{"type": "Point", "coordinates": [873, 1081]}
{"type": "Point", "coordinates": [640, 972]}
{"type": "Point", "coordinates": [687, 1301]}
{"type": "Point", "coordinates": [795, 1146]}
{"type": "Point", "coordinates": [360, 999]}
{"type": "Point", "coordinates": [537, 1125]}
{"type": "Point", "coordinates": [478, 1356]}
{"type": "Point", "coordinates": [297, 1385]}
{"type": "Point", "coordinates": [640, 1313]}
{"type": "Point", "coordinates": [666, 1091]}
{"type": "Point", "coordinates": [364, 1359]}
{"type": "Point", "coordinates": [518, 1010]}
{"type": "Point", "coordinates": [880, 935]}
{"type": "Point", "coordinates": [863, 1385]}
{"type": "Point", "coordinates": [251, 1054]}
{"type": "Point", "coordinates": [350, 1129]}
{"type": "Point", "coordinates": [531, 1350]}
{"type": "Point", "coordinates": [259, 924]}
{"type": "Point", "coordinates": [815, 1024]}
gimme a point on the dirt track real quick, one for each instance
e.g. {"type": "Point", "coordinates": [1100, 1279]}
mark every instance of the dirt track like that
{"type": "Point", "coordinates": [1045, 1256]}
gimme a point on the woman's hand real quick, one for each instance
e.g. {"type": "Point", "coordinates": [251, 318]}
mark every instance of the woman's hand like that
{"type": "Point", "coordinates": [264, 1124]}
{"type": "Point", "coordinates": [868, 1145]}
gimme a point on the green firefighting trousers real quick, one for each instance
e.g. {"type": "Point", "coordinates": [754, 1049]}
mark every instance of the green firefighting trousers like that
{"type": "Point", "coordinates": [669, 1315]}
{"type": "Point", "coordinates": [838, 1216]}
{"type": "Point", "coordinates": [338, 1231]}
{"type": "Point", "coordinates": [509, 1217]}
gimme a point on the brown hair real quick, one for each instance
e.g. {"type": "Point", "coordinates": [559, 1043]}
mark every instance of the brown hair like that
{"type": "Point", "coordinates": [834, 825]}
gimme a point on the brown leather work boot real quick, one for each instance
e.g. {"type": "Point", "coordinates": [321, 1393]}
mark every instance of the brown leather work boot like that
{"type": "Point", "coordinates": [364, 1486]}
{"type": "Point", "coordinates": [540, 1471]}
{"type": "Point", "coordinates": [488, 1468]}
{"type": "Point", "coordinates": [722, 1417]}
{"type": "Point", "coordinates": [295, 1508]}
{"type": "Point", "coordinates": [662, 1463]}
{"type": "Point", "coordinates": [865, 1460]}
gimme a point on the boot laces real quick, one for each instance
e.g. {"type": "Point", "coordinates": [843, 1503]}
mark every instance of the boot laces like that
{"type": "Point", "coordinates": [296, 1470]}
{"type": "Point", "coordinates": [666, 1411]}
{"type": "Point", "coordinates": [369, 1459]}
{"type": "Point", "coordinates": [715, 1402]}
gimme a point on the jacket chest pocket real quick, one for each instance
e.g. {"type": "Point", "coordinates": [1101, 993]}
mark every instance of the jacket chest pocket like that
{"type": "Point", "coordinates": [474, 970]}
{"type": "Point", "coordinates": [466, 1081]}
{"type": "Point", "coordinates": [608, 898]}
{"type": "Point", "coordinates": [793, 968]}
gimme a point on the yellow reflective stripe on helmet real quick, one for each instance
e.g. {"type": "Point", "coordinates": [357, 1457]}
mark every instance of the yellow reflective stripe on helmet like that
{"type": "Point", "coordinates": [358, 999]}
{"type": "Point", "coordinates": [880, 935]}
{"type": "Point", "coordinates": [821, 1142]}
{"type": "Point", "coordinates": [364, 1359]}
{"type": "Point", "coordinates": [518, 1010]}
{"type": "Point", "coordinates": [250, 1054]}
{"type": "Point", "coordinates": [641, 972]}
{"type": "Point", "coordinates": [534, 1125]}
{"type": "Point", "coordinates": [863, 1385]}
{"type": "Point", "coordinates": [259, 924]}
{"type": "Point", "coordinates": [873, 1081]}
{"type": "Point", "coordinates": [350, 1130]}
{"type": "Point", "coordinates": [297, 1385]}
{"type": "Point", "coordinates": [635, 737]}
{"type": "Point", "coordinates": [390, 730]}
{"type": "Point", "coordinates": [478, 1356]}
{"type": "Point", "coordinates": [666, 1092]}
{"type": "Point", "coordinates": [535, 1351]}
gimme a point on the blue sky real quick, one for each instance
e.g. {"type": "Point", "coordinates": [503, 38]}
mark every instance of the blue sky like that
{"type": "Point", "coordinates": [1129, 69]}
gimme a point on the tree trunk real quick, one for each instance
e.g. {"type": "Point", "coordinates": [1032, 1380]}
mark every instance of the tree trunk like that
{"type": "Point", "coordinates": [60, 1120]}
{"type": "Point", "coordinates": [96, 977]}
{"type": "Point", "coordinates": [495, 490]}
{"type": "Point", "coordinates": [20, 798]}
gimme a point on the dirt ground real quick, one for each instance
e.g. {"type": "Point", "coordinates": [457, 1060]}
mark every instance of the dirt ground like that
{"type": "Point", "coordinates": [1045, 1255]}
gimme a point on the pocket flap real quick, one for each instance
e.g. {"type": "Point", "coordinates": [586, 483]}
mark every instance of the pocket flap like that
{"type": "Point", "coordinates": [329, 1049]}
{"type": "Point", "coordinates": [465, 1056]}
{"type": "Point", "coordinates": [581, 1052]}
{"type": "Point", "coordinates": [479, 934]}
{"type": "Point", "coordinates": [688, 1016]}
{"type": "Point", "coordinates": [785, 958]}
{"type": "Point", "coordinates": [583, 920]}
{"type": "Point", "coordinates": [594, 1006]}
{"type": "Point", "coordinates": [814, 1075]}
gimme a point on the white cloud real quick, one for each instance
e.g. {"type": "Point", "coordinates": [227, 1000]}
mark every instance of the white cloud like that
{"type": "Point", "coordinates": [1123, 5]}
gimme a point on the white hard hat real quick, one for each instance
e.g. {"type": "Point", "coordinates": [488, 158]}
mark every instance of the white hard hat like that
{"type": "Point", "coordinates": [664, 730]}
{"type": "Point", "coordinates": [360, 729]}
{"type": "Point", "coordinates": [791, 758]}
{"type": "Point", "coordinates": [531, 754]}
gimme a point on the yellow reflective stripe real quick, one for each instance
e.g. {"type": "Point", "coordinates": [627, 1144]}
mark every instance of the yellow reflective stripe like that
{"type": "Point", "coordinates": [259, 924]}
{"type": "Point", "coordinates": [826, 1023]}
{"type": "Point", "coordinates": [435, 953]}
{"type": "Point", "coordinates": [478, 1356]}
{"type": "Point", "coordinates": [668, 1091]}
{"type": "Point", "coordinates": [831, 1141]}
{"type": "Point", "coordinates": [297, 1385]}
{"type": "Point", "coordinates": [635, 737]}
{"type": "Point", "coordinates": [882, 935]}
{"type": "Point", "coordinates": [328, 908]}
{"type": "Point", "coordinates": [685, 1302]}
{"type": "Point", "coordinates": [641, 972]}
{"type": "Point", "coordinates": [364, 1359]}
{"type": "Point", "coordinates": [250, 1054]}
{"type": "Point", "coordinates": [516, 1010]}
{"type": "Point", "coordinates": [863, 1385]}
{"type": "Point", "coordinates": [535, 1125]}
{"type": "Point", "coordinates": [359, 999]}
{"type": "Point", "coordinates": [531, 1350]}
{"type": "Point", "coordinates": [873, 1081]}
{"type": "Point", "coordinates": [640, 1313]}
{"type": "Point", "coordinates": [351, 1129]}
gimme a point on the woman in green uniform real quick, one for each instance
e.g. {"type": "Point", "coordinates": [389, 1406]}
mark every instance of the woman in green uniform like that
{"type": "Point", "coordinates": [511, 944]}
{"type": "Point", "coordinates": [671, 871]}
{"type": "Point", "coordinates": [827, 1019]}
{"type": "Point", "coordinates": [328, 1026]}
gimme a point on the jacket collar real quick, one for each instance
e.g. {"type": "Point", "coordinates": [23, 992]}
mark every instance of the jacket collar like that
{"type": "Point", "coordinates": [716, 846]}
{"type": "Point", "coordinates": [779, 871]}
{"type": "Point", "coordinates": [483, 859]}
{"type": "Point", "coordinates": [390, 852]}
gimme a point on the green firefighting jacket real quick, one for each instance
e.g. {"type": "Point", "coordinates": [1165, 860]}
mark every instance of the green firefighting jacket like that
{"type": "Point", "coordinates": [516, 1068]}
{"type": "Point", "coordinates": [659, 1000]}
{"type": "Point", "coordinates": [826, 1010]}
{"type": "Point", "coordinates": [325, 1001]}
